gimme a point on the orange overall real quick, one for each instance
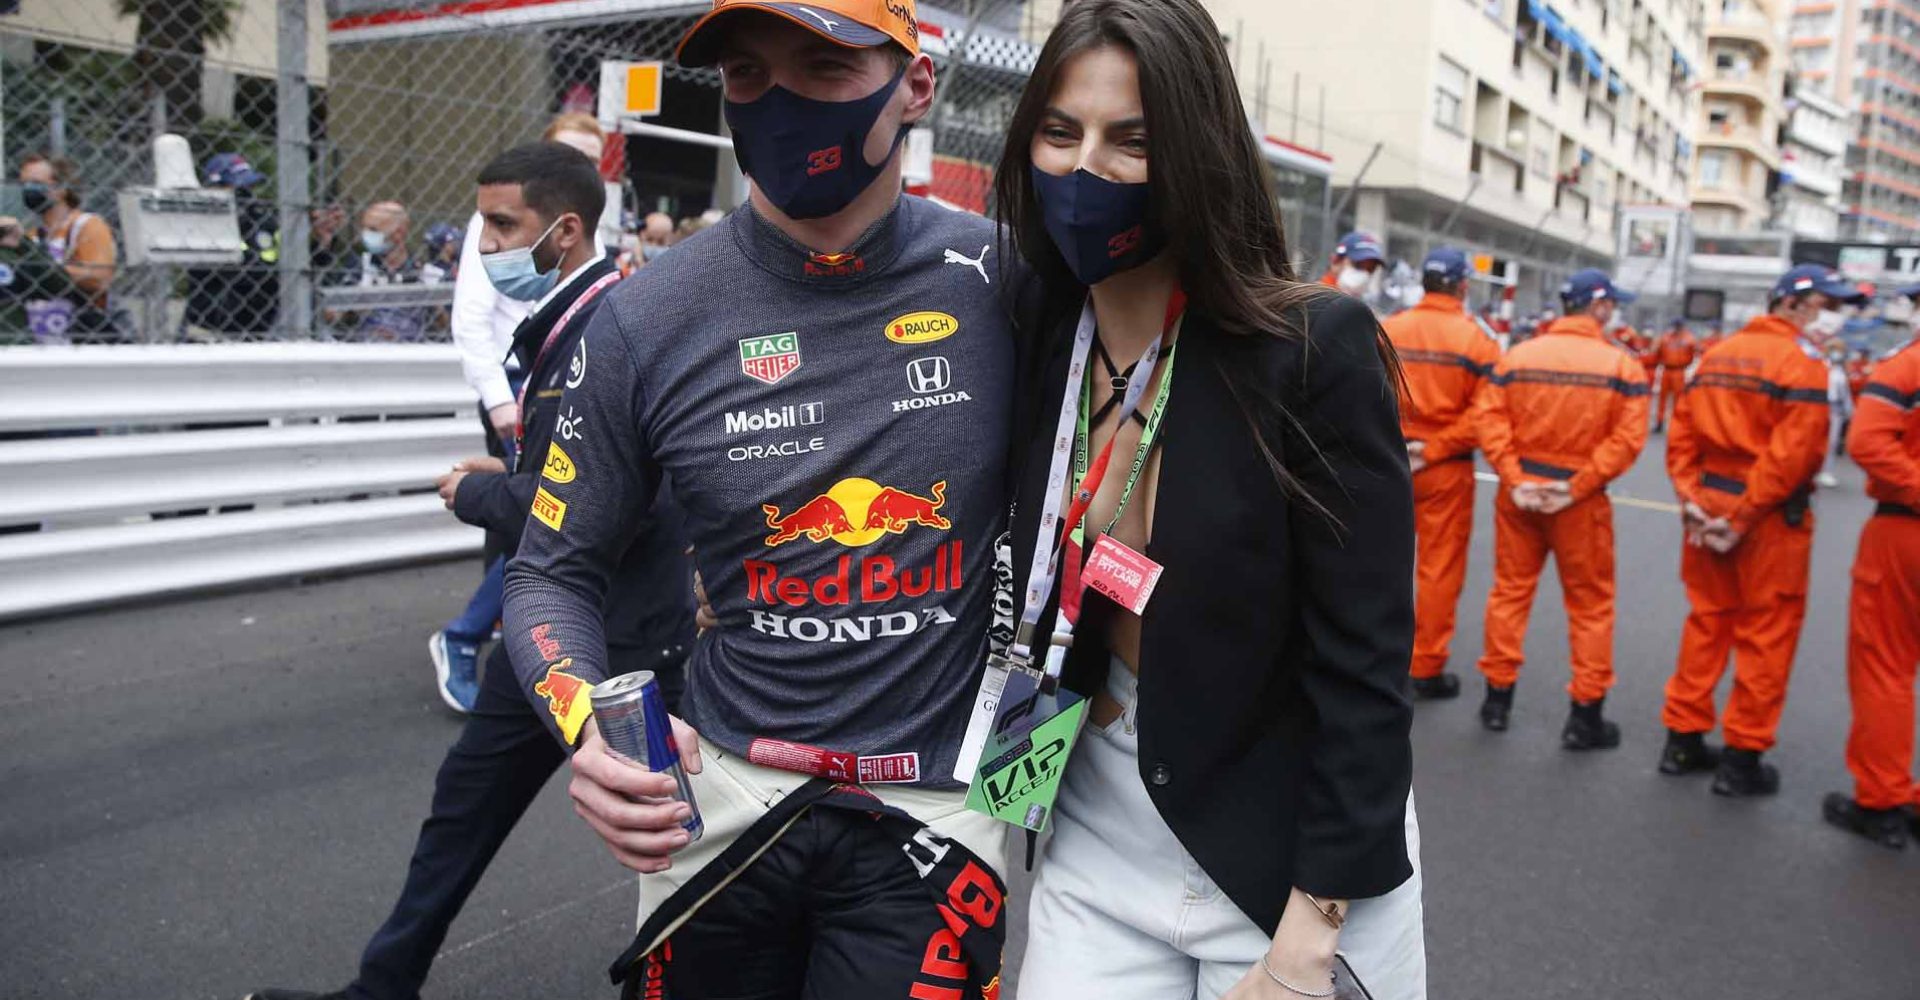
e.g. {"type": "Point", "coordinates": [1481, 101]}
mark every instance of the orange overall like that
{"type": "Point", "coordinates": [1748, 436]}
{"type": "Point", "coordinates": [1447, 359]}
{"type": "Point", "coordinates": [1565, 406]}
{"type": "Point", "coordinates": [1883, 629]}
{"type": "Point", "coordinates": [1676, 350]}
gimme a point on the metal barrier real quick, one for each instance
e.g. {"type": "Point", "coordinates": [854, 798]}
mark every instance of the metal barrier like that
{"type": "Point", "coordinates": [131, 472]}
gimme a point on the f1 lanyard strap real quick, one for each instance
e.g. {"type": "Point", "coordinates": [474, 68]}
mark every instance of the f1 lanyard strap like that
{"type": "Point", "coordinates": [1051, 536]}
{"type": "Point", "coordinates": [587, 295]}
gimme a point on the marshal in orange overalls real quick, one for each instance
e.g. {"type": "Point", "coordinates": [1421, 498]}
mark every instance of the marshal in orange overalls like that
{"type": "Point", "coordinates": [1447, 358]}
{"type": "Point", "coordinates": [1566, 406]}
{"type": "Point", "coordinates": [1747, 438]}
{"type": "Point", "coordinates": [1883, 633]}
{"type": "Point", "coordinates": [1676, 350]}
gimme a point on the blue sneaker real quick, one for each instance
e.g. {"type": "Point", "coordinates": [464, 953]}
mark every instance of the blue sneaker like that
{"type": "Point", "coordinates": [456, 665]}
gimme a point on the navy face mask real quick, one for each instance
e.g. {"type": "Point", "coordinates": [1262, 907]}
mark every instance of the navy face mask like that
{"type": "Point", "coordinates": [809, 157]}
{"type": "Point", "coordinates": [1100, 227]}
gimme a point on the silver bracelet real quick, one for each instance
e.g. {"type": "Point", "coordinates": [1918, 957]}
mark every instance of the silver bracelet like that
{"type": "Point", "coordinates": [1332, 981]}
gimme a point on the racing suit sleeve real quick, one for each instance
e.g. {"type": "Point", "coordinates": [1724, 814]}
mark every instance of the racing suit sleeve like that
{"type": "Point", "coordinates": [1683, 450]}
{"type": "Point", "coordinates": [1623, 442]}
{"type": "Point", "coordinates": [1355, 562]}
{"type": "Point", "coordinates": [1494, 424]}
{"type": "Point", "coordinates": [1795, 449]}
{"type": "Point", "coordinates": [1875, 443]}
{"type": "Point", "coordinates": [1459, 437]}
{"type": "Point", "coordinates": [472, 323]}
{"type": "Point", "coordinates": [496, 501]}
{"type": "Point", "coordinates": [576, 533]}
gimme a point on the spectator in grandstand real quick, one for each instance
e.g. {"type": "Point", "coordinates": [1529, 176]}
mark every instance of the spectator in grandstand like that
{"type": "Point", "coordinates": [242, 298]}
{"type": "Point", "coordinates": [695, 223]}
{"type": "Point", "coordinates": [443, 242]}
{"type": "Point", "coordinates": [69, 301]}
{"type": "Point", "coordinates": [385, 260]}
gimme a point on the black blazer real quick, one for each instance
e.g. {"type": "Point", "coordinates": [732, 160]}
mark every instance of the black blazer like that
{"type": "Point", "coordinates": [1273, 717]}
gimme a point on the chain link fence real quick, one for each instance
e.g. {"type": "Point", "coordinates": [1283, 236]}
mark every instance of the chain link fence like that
{"type": "Point", "coordinates": [348, 133]}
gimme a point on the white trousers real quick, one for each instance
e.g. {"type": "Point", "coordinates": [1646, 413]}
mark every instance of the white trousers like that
{"type": "Point", "coordinates": [1121, 911]}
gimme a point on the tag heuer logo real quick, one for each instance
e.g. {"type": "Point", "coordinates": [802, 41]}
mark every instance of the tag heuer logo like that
{"type": "Point", "coordinates": [770, 358]}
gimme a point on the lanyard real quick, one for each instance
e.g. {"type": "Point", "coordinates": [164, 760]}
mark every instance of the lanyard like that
{"type": "Point", "coordinates": [1066, 440]}
{"type": "Point", "coordinates": [1082, 434]}
{"type": "Point", "coordinates": [587, 295]}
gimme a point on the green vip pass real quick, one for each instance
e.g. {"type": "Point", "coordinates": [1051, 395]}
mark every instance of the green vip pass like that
{"type": "Point", "coordinates": [1026, 754]}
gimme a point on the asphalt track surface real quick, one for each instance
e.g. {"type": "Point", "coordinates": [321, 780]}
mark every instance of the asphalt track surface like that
{"type": "Point", "coordinates": [201, 797]}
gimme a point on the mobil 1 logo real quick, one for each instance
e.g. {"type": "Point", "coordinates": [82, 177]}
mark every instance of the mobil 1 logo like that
{"type": "Point", "coordinates": [770, 426]}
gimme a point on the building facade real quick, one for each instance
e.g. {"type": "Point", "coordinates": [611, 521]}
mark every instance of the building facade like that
{"type": "Point", "coordinates": [1513, 128]}
{"type": "Point", "coordinates": [1866, 54]}
{"type": "Point", "coordinates": [1812, 164]}
{"type": "Point", "coordinates": [1742, 113]}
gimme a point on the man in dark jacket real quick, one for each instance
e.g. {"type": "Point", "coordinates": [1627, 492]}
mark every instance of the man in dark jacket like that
{"type": "Point", "coordinates": [543, 198]}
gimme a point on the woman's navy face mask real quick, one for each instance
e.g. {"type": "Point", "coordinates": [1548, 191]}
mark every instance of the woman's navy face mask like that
{"type": "Point", "coordinates": [1102, 228]}
{"type": "Point", "coordinates": [807, 156]}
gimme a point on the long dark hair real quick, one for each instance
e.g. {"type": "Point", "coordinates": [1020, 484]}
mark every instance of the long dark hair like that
{"type": "Point", "coordinates": [1212, 194]}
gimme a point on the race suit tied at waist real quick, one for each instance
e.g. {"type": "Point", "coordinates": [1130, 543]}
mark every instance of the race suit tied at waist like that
{"type": "Point", "coordinates": [965, 896]}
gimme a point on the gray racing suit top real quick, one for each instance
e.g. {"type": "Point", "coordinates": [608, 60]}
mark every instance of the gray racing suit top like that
{"type": "Point", "coordinates": [834, 426]}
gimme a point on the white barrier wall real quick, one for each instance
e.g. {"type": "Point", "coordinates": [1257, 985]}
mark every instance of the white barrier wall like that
{"type": "Point", "coordinates": [320, 458]}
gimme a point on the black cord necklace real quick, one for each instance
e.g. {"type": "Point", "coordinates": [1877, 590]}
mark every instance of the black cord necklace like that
{"type": "Point", "coordinates": [1119, 380]}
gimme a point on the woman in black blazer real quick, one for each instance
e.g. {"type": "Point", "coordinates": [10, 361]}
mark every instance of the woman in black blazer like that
{"type": "Point", "coordinates": [1242, 786]}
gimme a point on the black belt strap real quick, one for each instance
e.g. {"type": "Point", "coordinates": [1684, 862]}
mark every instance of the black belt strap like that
{"type": "Point", "coordinates": [1724, 484]}
{"type": "Point", "coordinates": [1892, 509]}
{"type": "Point", "coordinates": [1534, 468]}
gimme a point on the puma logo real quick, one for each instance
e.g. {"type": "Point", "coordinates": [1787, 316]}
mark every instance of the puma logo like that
{"type": "Point", "coordinates": [826, 22]}
{"type": "Point", "coordinates": [977, 263]}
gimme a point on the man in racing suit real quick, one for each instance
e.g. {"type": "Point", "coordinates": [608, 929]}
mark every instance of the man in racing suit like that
{"type": "Point", "coordinates": [825, 378]}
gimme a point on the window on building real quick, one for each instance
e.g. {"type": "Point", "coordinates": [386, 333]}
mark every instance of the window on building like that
{"type": "Point", "coordinates": [1713, 168]}
{"type": "Point", "coordinates": [1450, 96]}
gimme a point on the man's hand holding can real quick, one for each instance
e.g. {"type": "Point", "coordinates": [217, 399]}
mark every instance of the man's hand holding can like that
{"type": "Point", "coordinates": [632, 808]}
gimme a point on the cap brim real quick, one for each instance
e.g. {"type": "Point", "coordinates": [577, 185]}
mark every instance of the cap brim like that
{"type": "Point", "coordinates": [249, 179]}
{"type": "Point", "coordinates": [1364, 254]}
{"type": "Point", "coordinates": [1622, 296]}
{"type": "Point", "coordinates": [1911, 292]}
{"type": "Point", "coordinates": [1840, 290]}
{"type": "Point", "coordinates": [701, 44]}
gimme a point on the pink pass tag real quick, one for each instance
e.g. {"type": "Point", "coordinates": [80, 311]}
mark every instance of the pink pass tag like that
{"type": "Point", "coordinates": [1124, 576]}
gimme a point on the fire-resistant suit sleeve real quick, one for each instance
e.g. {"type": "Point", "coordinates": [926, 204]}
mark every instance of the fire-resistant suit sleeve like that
{"type": "Point", "coordinates": [1493, 422]}
{"type": "Point", "coordinates": [1683, 450]}
{"type": "Point", "coordinates": [1876, 442]}
{"type": "Point", "coordinates": [577, 532]}
{"type": "Point", "coordinates": [1356, 604]}
{"type": "Point", "coordinates": [1797, 446]}
{"type": "Point", "coordinates": [1458, 438]}
{"type": "Point", "coordinates": [1621, 446]}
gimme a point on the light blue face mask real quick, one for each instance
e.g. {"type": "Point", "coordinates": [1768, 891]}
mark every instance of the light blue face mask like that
{"type": "Point", "coordinates": [374, 240]}
{"type": "Point", "coordinates": [514, 273]}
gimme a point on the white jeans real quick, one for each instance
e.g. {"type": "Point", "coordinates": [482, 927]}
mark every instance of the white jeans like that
{"type": "Point", "coordinates": [1121, 911]}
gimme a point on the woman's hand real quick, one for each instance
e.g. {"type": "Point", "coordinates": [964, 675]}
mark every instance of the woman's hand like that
{"type": "Point", "coordinates": [1302, 954]}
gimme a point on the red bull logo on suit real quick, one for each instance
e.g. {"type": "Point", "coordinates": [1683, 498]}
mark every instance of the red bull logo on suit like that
{"type": "Point", "coordinates": [855, 513]}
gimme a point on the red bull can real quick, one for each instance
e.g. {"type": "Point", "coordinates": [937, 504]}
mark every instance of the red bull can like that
{"type": "Point", "coordinates": [633, 721]}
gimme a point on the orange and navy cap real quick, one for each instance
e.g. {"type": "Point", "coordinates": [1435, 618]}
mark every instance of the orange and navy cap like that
{"type": "Point", "coordinates": [857, 24]}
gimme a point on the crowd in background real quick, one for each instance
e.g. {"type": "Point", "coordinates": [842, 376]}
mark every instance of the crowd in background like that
{"type": "Point", "coordinates": [62, 278]}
